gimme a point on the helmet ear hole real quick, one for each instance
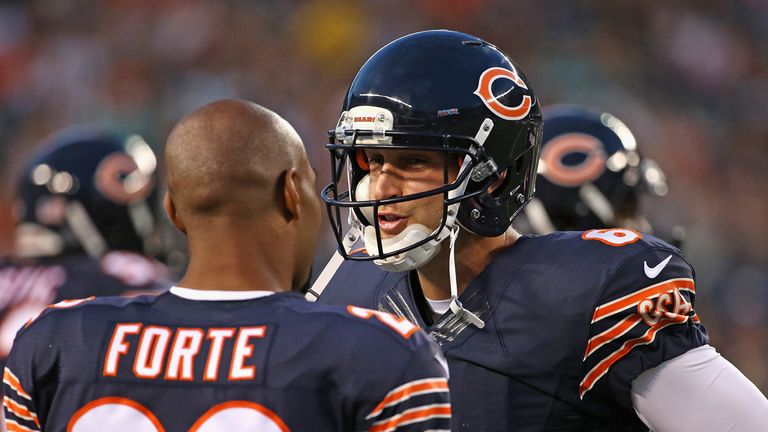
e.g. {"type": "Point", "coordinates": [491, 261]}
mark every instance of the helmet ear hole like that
{"type": "Point", "coordinates": [362, 161]}
{"type": "Point", "coordinates": [498, 186]}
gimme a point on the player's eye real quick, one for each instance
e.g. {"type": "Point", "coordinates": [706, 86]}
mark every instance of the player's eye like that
{"type": "Point", "coordinates": [375, 163]}
{"type": "Point", "coordinates": [374, 159]}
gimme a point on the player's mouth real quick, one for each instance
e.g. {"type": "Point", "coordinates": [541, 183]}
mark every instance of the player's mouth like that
{"type": "Point", "coordinates": [392, 224]}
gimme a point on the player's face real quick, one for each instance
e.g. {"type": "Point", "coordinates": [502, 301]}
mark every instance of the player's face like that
{"type": "Point", "coordinates": [398, 173]}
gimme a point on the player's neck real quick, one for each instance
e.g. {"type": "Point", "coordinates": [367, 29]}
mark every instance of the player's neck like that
{"type": "Point", "coordinates": [473, 254]}
{"type": "Point", "coordinates": [240, 262]}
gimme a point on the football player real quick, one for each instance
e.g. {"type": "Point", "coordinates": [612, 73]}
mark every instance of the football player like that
{"type": "Point", "coordinates": [230, 347]}
{"type": "Point", "coordinates": [591, 175]}
{"type": "Point", "coordinates": [86, 225]}
{"type": "Point", "coordinates": [435, 153]}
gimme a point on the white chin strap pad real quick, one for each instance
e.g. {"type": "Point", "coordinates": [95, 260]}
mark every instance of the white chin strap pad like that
{"type": "Point", "coordinates": [361, 194]}
{"type": "Point", "coordinates": [410, 260]}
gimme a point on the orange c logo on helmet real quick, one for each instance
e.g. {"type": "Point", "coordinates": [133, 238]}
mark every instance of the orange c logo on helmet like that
{"type": "Point", "coordinates": [484, 92]}
{"type": "Point", "coordinates": [558, 148]}
{"type": "Point", "coordinates": [119, 179]}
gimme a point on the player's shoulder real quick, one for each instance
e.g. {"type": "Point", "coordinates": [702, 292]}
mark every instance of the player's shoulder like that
{"type": "Point", "coordinates": [610, 246]}
{"type": "Point", "coordinates": [628, 265]}
{"type": "Point", "coordinates": [89, 309]}
{"type": "Point", "coordinates": [354, 323]}
{"type": "Point", "coordinates": [25, 270]}
{"type": "Point", "coordinates": [621, 261]}
{"type": "Point", "coordinates": [359, 283]}
{"type": "Point", "coordinates": [351, 270]}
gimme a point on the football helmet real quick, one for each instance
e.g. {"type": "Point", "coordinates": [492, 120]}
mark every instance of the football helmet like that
{"type": "Point", "coordinates": [87, 190]}
{"type": "Point", "coordinates": [440, 91]}
{"type": "Point", "coordinates": [591, 174]}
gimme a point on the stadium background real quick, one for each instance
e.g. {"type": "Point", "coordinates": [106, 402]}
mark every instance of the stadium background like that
{"type": "Point", "coordinates": [690, 78]}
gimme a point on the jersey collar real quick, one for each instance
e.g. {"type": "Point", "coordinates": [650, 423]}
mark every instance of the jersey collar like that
{"type": "Point", "coordinates": [211, 295]}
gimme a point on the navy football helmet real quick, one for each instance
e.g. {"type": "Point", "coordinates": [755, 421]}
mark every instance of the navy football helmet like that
{"type": "Point", "coordinates": [439, 91]}
{"type": "Point", "coordinates": [591, 174]}
{"type": "Point", "coordinates": [87, 190]}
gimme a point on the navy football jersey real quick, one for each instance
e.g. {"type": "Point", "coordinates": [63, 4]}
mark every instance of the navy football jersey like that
{"type": "Point", "coordinates": [27, 287]}
{"type": "Point", "coordinates": [570, 320]}
{"type": "Point", "coordinates": [274, 363]}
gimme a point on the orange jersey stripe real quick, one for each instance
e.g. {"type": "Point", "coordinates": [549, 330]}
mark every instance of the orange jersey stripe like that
{"type": "Point", "coordinates": [410, 416]}
{"type": "Point", "coordinates": [12, 426]}
{"type": "Point", "coordinates": [10, 379]}
{"type": "Point", "coordinates": [406, 391]}
{"type": "Point", "coordinates": [612, 333]}
{"type": "Point", "coordinates": [630, 300]}
{"type": "Point", "coordinates": [601, 368]}
{"type": "Point", "coordinates": [20, 410]}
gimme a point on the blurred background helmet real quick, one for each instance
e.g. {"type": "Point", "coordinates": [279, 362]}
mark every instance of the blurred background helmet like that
{"type": "Point", "coordinates": [87, 190]}
{"type": "Point", "coordinates": [591, 174]}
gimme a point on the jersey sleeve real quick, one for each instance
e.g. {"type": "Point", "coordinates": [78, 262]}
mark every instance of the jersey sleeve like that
{"type": "Point", "coordinates": [31, 360]}
{"type": "Point", "coordinates": [406, 389]}
{"type": "Point", "coordinates": [644, 316]}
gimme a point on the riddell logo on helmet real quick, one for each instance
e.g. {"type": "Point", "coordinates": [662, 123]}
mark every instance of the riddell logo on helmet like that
{"type": "Point", "coordinates": [491, 101]}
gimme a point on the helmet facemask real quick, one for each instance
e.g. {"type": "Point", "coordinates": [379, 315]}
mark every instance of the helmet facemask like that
{"type": "Point", "coordinates": [417, 244]}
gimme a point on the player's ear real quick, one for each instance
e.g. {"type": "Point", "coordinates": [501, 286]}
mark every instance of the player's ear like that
{"type": "Point", "coordinates": [170, 209]}
{"type": "Point", "coordinates": [291, 198]}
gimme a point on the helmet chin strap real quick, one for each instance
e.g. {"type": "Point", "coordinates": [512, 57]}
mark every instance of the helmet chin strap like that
{"type": "Point", "coordinates": [85, 230]}
{"type": "Point", "coordinates": [538, 217]}
{"type": "Point", "coordinates": [598, 203]}
{"type": "Point", "coordinates": [408, 260]}
{"type": "Point", "coordinates": [456, 307]}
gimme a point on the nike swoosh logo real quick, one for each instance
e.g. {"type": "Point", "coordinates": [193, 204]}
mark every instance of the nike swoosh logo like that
{"type": "Point", "coordinates": [652, 272]}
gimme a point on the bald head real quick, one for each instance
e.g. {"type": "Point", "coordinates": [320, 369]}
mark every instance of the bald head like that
{"type": "Point", "coordinates": [237, 176]}
{"type": "Point", "coordinates": [227, 157]}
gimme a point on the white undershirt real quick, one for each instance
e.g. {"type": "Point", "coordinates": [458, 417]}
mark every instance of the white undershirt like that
{"type": "Point", "coordinates": [699, 391]}
{"type": "Point", "coordinates": [438, 307]}
{"type": "Point", "coordinates": [212, 295]}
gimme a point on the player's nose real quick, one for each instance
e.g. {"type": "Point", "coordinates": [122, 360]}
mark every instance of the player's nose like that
{"type": "Point", "coordinates": [388, 184]}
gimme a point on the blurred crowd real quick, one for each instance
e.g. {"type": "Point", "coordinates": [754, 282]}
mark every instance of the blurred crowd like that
{"type": "Point", "coordinates": [689, 77]}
